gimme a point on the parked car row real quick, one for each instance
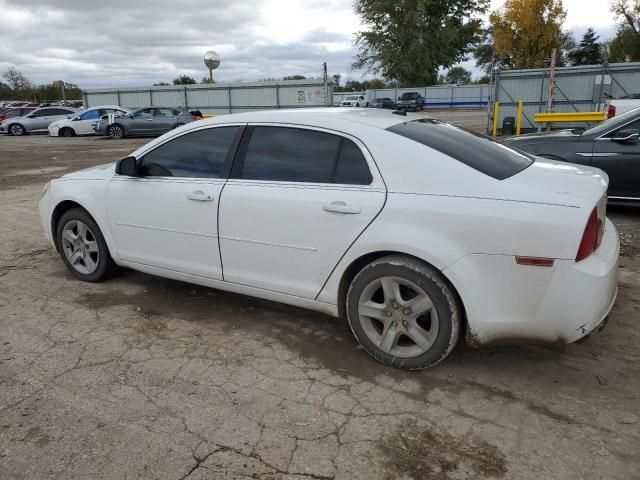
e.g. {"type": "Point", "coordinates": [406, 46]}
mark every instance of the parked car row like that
{"type": "Point", "coordinates": [409, 101]}
{"type": "Point", "coordinates": [110, 120]}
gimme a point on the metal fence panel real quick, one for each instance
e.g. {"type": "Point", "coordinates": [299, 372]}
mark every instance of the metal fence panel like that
{"type": "Point", "coordinates": [219, 98]}
{"type": "Point", "coordinates": [101, 99]}
{"type": "Point", "coordinates": [578, 89]}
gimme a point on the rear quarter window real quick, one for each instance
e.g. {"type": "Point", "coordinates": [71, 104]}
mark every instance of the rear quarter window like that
{"type": "Point", "coordinates": [474, 150]}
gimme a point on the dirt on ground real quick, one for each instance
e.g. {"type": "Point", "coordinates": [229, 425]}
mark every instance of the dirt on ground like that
{"type": "Point", "coordinates": [147, 378]}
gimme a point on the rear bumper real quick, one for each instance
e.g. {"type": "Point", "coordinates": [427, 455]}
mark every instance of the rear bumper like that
{"type": "Point", "coordinates": [510, 303]}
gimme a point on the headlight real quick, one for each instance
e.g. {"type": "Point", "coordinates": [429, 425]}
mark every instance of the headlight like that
{"type": "Point", "coordinates": [45, 189]}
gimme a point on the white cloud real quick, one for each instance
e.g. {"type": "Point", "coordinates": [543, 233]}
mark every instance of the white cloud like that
{"type": "Point", "coordinates": [129, 42]}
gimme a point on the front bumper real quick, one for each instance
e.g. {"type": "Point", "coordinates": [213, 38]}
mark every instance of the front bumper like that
{"type": "Point", "coordinates": [44, 208]}
{"type": "Point", "coordinates": [510, 303]}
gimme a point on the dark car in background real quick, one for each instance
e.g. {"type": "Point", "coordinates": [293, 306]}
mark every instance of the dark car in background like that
{"type": "Point", "coordinates": [382, 103]}
{"type": "Point", "coordinates": [612, 146]}
{"type": "Point", "coordinates": [412, 101]}
{"type": "Point", "coordinates": [148, 121]}
{"type": "Point", "coordinates": [15, 112]}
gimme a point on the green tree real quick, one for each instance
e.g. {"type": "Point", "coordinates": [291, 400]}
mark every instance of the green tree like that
{"type": "Point", "coordinates": [376, 83]}
{"type": "Point", "coordinates": [5, 92]}
{"type": "Point", "coordinates": [526, 31]}
{"type": "Point", "coordinates": [294, 77]}
{"type": "Point", "coordinates": [410, 40]}
{"type": "Point", "coordinates": [161, 84]}
{"type": "Point", "coordinates": [336, 80]}
{"type": "Point", "coordinates": [207, 80]}
{"type": "Point", "coordinates": [625, 47]}
{"type": "Point", "coordinates": [589, 51]}
{"type": "Point", "coordinates": [184, 80]}
{"type": "Point", "coordinates": [458, 75]}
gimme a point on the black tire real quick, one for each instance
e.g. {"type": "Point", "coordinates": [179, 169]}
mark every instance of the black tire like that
{"type": "Point", "coordinates": [16, 129]}
{"type": "Point", "coordinates": [116, 131]}
{"type": "Point", "coordinates": [358, 104]}
{"type": "Point", "coordinates": [445, 303]}
{"type": "Point", "coordinates": [67, 132]}
{"type": "Point", "coordinates": [105, 265]}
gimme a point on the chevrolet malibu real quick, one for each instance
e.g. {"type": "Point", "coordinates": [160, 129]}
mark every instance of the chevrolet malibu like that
{"type": "Point", "coordinates": [414, 231]}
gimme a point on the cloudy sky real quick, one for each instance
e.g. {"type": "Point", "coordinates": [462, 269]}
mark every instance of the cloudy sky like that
{"type": "Point", "coordinates": [139, 42]}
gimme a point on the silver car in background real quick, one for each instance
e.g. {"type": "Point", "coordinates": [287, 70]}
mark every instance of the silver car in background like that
{"type": "Point", "coordinates": [36, 121]}
{"type": "Point", "coordinates": [148, 121]}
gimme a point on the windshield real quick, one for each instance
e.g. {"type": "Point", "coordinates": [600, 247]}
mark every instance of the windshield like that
{"type": "Point", "coordinates": [409, 96]}
{"type": "Point", "coordinates": [477, 151]}
{"type": "Point", "coordinates": [352, 97]}
{"type": "Point", "coordinates": [612, 123]}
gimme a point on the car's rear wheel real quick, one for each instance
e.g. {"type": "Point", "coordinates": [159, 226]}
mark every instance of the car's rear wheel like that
{"type": "Point", "coordinates": [115, 131]}
{"type": "Point", "coordinates": [17, 130]}
{"type": "Point", "coordinates": [82, 246]}
{"type": "Point", "coordinates": [403, 312]}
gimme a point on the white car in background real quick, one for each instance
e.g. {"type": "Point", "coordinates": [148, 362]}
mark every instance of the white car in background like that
{"type": "Point", "coordinates": [413, 230]}
{"type": "Point", "coordinates": [354, 101]}
{"type": "Point", "coordinates": [83, 122]}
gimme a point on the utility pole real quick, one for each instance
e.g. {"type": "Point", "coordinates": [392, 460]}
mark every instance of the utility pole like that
{"type": "Point", "coordinates": [552, 85]}
{"type": "Point", "coordinates": [64, 97]}
{"type": "Point", "coordinates": [325, 80]}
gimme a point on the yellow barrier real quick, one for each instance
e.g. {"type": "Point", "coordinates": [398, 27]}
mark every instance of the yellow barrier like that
{"type": "Point", "coordinates": [569, 117]}
{"type": "Point", "coordinates": [496, 115]}
{"type": "Point", "coordinates": [206, 115]}
{"type": "Point", "coordinates": [519, 118]}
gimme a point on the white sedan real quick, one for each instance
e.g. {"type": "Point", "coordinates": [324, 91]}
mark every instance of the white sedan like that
{"type": "Point", "coordinates": [413, 230]}
{"type": "Point", "coordinates": [82, 123]}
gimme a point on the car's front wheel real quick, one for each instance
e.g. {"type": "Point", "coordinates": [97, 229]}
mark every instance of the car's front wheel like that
{"type": "Point", "coordinates": [82, 246]}
{"type": "Point", "coordinates": [115, 131]}
{"type": "Point", "coordinates": [403, 312]}
{"type": "Point", "coordinates": [17, 130]}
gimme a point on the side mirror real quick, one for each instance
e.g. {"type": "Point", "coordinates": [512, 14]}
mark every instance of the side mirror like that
{"type": "Point", "coordinates": [628, 135]}
{"type": "Point", "coordinates": [128, 166]}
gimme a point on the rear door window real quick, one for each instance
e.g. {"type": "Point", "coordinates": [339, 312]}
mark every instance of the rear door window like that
{"type": "Point", "coordinates": [477, 151]}
{"type": "Point", "coordinates": [289, 154]}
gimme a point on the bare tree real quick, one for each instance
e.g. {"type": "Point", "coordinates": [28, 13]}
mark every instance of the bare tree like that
{"type": "Point", "coordinates": [16, 80]}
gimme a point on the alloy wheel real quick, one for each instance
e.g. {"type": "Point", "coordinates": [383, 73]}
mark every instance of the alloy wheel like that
{"type": "Point", "coordinates": [116, 131]}
{"type": "Point", "coordinates": [80, 247]}
{"type": "Point", "coordinates": [17, 130]}
{"type": "Point", "coordinates": [398, 317]}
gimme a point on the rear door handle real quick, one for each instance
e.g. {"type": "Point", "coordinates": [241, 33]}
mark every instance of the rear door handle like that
{"type": "Point", "coordinates": [341, 207]}
{"type": "Point", "coordinates": [199, 196]}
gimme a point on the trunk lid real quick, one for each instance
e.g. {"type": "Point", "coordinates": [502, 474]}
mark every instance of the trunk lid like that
{"type": "Point", "coordinates": [560, 182]}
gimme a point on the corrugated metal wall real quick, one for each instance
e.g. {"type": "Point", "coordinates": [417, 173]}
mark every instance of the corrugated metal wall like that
{"type": "Point", "coordinates": [578, 89]}
{"type": "Point", "coordinates": [217, 98]}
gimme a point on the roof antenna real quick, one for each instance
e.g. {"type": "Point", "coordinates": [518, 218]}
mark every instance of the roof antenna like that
{"type": "Point", "coordinates": [399, 112]}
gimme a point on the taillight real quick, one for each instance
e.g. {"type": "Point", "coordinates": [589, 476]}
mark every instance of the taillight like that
{"type": "Point", "coordinates": [611, 112]}
{"type": "Point", "coordinates": [591, 237]}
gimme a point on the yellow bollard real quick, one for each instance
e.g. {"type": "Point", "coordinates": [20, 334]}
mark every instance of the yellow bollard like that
{"type": "Point", "coordinates": [496, 116]}
{"type": "Point", "coordinates": [519, 118]}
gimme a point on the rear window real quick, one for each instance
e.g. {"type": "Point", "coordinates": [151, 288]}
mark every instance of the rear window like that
{"type": "Point", "coordinates": [477, 151]}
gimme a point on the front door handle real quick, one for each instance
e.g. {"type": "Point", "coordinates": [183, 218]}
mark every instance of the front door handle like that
{"type": "Point", "coordinates": [199, 196]}
{"type": "Point", "coordinates": [149, 119]}
{"type": "Point", "coordinates": [341, 207]}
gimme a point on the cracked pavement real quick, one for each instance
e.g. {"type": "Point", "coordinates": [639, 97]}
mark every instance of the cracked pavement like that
{"type": "Point", "coordinates": [146, 378]}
